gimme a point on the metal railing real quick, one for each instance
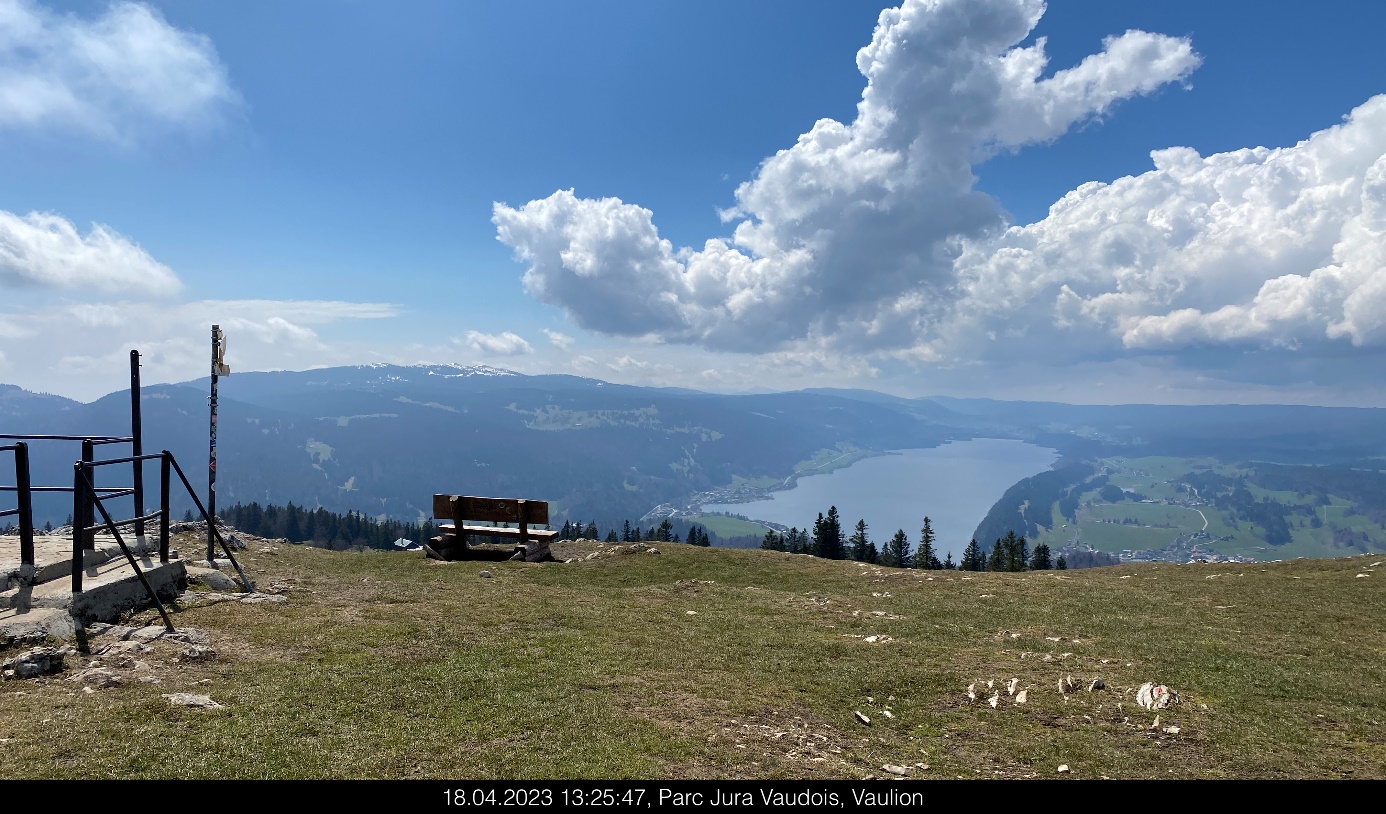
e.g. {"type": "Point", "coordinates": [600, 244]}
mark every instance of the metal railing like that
{"type": "Point", "coordinates": [25, 510]}
{"type": "Point", "coordinates": [88, 499]}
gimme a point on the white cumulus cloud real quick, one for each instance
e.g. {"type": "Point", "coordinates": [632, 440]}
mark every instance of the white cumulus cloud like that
{"type": "Point", "coordinates": [43, 250]}
{"type": "Point", "coordinates": [501, 344]}
{"type": "Point", "coordinates": [111, 75]}
{"type": "Point", "coordinates": [559, 340]}
{"type": "Point", "coordinates": [850, 235]}
{"type": "Point", "coordinates": [1257, 248]}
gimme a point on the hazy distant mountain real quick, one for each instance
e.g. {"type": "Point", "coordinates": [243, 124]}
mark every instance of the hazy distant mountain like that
{"type": "Point", "coordinates": [382, 439]}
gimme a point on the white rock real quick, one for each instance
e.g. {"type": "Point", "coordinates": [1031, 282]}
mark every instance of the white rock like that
{"type": "Point", "coordinates": [183, 699]}
{"type": "Point", "coordinates": [862, 717]}
{"type": "Point", "coordinates": [1063, 768]}
{"type": "Point", "coordinates": [1156, 696]}
{"type": "Point", "coordinates": [1021, 696]}
{"type": "Point", "coordinates": [1010, 687]}
{"type": "Point", "coordinates": [893, 769]}
{"type": "Point", "coordinates": [994, 699]}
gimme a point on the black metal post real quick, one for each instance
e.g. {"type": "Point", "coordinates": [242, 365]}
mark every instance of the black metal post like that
{"type": "Point", "coordinates": [88, 516]}
{"type": "Point", "coordinates": [212, 459]}
{"type": "Point", "coordinates": [163, 506]}
{"type": "Point", "coordinates": [245, 580]}
{"type": "Point", "coordinates": [78, 499]}
{"type": "Point", "coordinates": [138, 442]}
{"type": "Point", "coordinates": [83, 480]}
{"type": "Point", "coordinates": [26, 510]}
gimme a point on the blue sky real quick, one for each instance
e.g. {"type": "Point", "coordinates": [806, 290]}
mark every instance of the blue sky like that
{"type": "Point", "coordinates": [533, 185]}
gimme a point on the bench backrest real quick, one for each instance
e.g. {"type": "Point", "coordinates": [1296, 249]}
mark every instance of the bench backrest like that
{"type": "Point", "coordinates": [492, 509]}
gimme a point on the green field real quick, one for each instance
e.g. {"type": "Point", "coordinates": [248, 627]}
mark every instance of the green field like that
{"type": "Point", "coordinates": [1157, 524]}
{"type": "Point", "coordinates": [712, 664]}
{"type": "Point", "coordinates": [727, 526]}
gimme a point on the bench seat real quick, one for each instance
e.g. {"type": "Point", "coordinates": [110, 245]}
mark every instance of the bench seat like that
{"type": "Point", "coordinates": [498, 531]}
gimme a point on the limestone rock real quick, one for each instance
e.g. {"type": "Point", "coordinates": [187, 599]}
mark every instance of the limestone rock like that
{"type": "Point", "coordinates": [1156, 696]}
{"type": "Point", "coordinates": [36, 662]}
{"type": "Point", "coordinates": [183, 699]}
{"type": "Point", "coordinates": [96, 676]}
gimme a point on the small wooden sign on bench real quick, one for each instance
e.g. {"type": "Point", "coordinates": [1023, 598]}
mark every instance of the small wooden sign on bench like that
{"type": "Point", "coordinates": [466, 511]}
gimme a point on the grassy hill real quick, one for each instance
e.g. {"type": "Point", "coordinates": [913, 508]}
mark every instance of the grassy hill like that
{"type": "Point", "coordinates": [719, 663]}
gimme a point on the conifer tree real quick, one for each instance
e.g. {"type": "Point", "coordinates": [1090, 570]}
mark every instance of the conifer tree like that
{"type": "Point", "coordinates": [827, 541]}
{"type": "Point", "coordinates": [858, 542]}
{"type": "Point", "coordinates": [925, 556]}
{"type": "Point", "coordinates": [1040, 560]}
{"type": "Point", "coordinates": [591, 532]}
{"type": "Point", "coordinates": [772, 541]}
{"type": "Point", "coordinates": [611, 536]}
{"type": "Point", "coordinates": [897, 551]}
{"type": "Point", "coordinates": [997, 560]}
{"type": "Point", "coordinates": [948, 564]}
{"type": "Point", "coordinates": [1015, 553]}
{"type": "Point", "coordinates": [973, 559]}
{"type": "Point", "coordinates": [1062, 563]}
{"type": "Point", "coordinates": [625, 533]}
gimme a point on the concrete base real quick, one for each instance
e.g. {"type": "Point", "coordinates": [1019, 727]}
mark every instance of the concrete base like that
{"type": "Point", "coordinates": [110, 588]}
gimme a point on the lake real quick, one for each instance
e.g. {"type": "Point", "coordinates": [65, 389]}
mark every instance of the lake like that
{"type": "Point", "coordinates": [954, 485]}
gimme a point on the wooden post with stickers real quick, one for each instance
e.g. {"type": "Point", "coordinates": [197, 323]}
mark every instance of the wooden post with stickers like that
{"type": "Point", "coordinates": [219, 368]}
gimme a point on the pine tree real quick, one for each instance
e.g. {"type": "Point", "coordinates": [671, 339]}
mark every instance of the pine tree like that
{"type": "Point", "coordinates": [772, 541]}
{"type": "Point", "coordinates": [973, 558]}
{"type": "Point", "coordinates": [591, 532]}
{"type": "Point", "coordinates": [1040, 560]}
{"type": "Point", "coordinates": [1021, 560]}
{"type": "Point", "coordinates": [858, 542]}
{"type": "Point", "coordinates": [625, 533]}
{"type": "Point", "coordinates": [829, 544]}
{"type": "Point", "coordinates": [997, 560]}
{"type": "Point", "coordinates": [664, 534]}
{"type": "Point", "coordinates": [948, 562]}
{"type": "Point", "coordinates": [897, 551]}
{"type": "Point", "coordinates": [1062, 564]}
{"type": "Point", "coordinates": [611, 536]}
{"type": "Point", "coordinates": [566, 533]}
{"type": "Point", "coordinates": [924, 555]}
{"type": "Point", "coordinates": [1015, 553]}
{"type": "Point", "coordinates": [697, 535]}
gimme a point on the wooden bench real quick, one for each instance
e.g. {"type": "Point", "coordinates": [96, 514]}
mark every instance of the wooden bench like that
{"type": "Point", "coordinates": [466, 511]}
